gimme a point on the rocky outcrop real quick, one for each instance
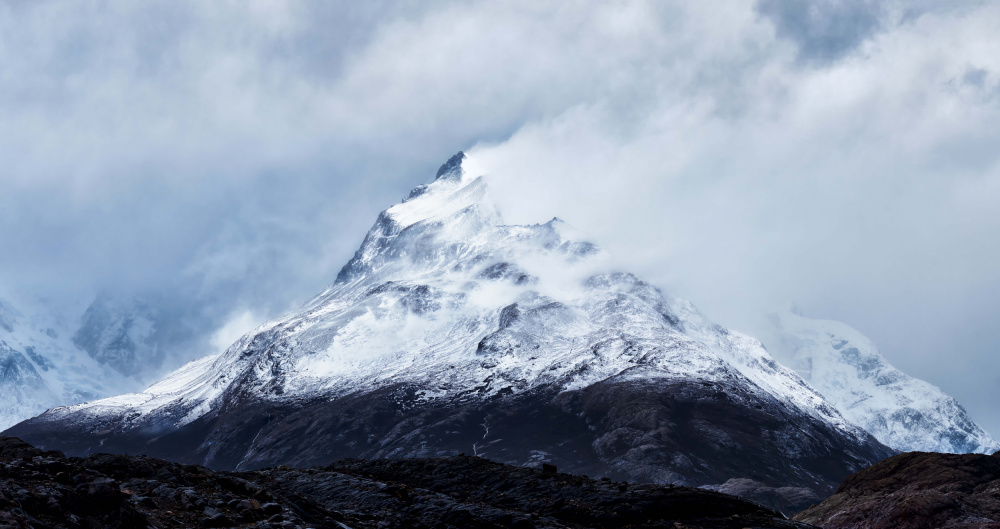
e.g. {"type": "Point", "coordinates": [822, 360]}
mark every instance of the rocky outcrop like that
{"type": "Point", "coordinates": [786, 499]}
{"type": "Point", "coordinates": [916, 490]}
{"type": "Point", "coordinates": [46, 489]}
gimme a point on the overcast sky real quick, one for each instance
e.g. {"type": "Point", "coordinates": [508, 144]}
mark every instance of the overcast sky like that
{"type": "Point", "coordinates": [228, 157]}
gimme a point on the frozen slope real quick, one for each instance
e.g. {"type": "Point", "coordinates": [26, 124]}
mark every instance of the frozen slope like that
{"type": "Point", "coordinates": [451, 331]}
{"type": "Point", "coordinates": [903, 412]}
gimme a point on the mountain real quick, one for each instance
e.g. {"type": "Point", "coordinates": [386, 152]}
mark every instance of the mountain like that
{"type": "Point", "coordinates": [916, 490]}
{"type": "Point", "coordinates": [41, 367]}
{"type": "Point", "coordinates": [450, 331]}
{"type": "Point", "coordinates": [902, 412]}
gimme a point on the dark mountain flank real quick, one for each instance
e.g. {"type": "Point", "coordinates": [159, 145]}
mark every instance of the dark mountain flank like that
{"type": "Point", "coordinates": [665, 431]}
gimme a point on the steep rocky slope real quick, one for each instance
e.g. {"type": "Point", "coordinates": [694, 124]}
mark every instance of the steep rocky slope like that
{"type": "Point", "coordinates": [450, 331]}
{"type": "Point", "coordinates": [45, 489]}
{"type": "Point", "coordinates": [916, 490]}
{"type": "Point", "coordinates": [903, 412]}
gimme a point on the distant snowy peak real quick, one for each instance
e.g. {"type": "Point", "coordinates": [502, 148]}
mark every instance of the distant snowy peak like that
{"type": "Point", "coordinates": [120, 332]}
{"type": "Point", "coordinates": [903, 412]}
{"type": "Point", "coordinates": [40, 366]}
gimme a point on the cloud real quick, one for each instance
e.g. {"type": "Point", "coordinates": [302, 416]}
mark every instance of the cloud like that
{"type": "Point", "coordinates": [862, 189]}
{"type": "Point", "coordinates": [231, 156]}
{"type": "Point", "coordinates": [824, 30]}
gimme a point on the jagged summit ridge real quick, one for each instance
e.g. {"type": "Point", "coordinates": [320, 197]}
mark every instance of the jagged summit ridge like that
{"type": "Point", "coordinates": [452, 167]}
{"type": "Point", "coordinates": [444, 215]}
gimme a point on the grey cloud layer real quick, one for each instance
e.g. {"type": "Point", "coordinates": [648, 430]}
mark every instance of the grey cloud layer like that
{"type": "Point", "coordinates": [825, 30]}
{"type": "Point", "coordinates": [230, 157]}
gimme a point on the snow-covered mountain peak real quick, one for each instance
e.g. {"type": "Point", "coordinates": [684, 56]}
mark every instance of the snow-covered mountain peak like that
{"type": "Point", "coordinates": [460, 183]}
{"type": "Point", "coordinates": [452, 219]}
{"type": "Point", "coordinates": [847, 368]}
{"type": "Point", "coordinates": [441, 199]}
{"type": "Point", "coordinates": [442, 294]}
{"type": "Point", "coordinates": [452, 168]}
{"type": "Point", "coordinates": [451, 331]}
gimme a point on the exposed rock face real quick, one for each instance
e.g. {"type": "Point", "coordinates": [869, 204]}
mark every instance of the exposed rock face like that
{"type": "Point", "coordinates": [916, 490]}
{"type": "Point", "coordinates": [903, 412]}
{"type": "Point", "coordinates": [787, 499]}
{"type": "Point", "coordinates": [45, 489]}
{"type": "Point", "coordinates": [450, 331]}
{"type": "Point", "coordinates": [662, 432]}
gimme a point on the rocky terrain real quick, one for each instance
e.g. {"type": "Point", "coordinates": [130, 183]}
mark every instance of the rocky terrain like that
{"type": "Point", "coordinates": [46, 489]}
{"type": "Point", "coordinates": [916, 490]}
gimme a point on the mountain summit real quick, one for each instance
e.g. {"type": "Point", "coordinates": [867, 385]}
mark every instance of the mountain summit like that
{"type": "Point", "coordinates": [450, 331]}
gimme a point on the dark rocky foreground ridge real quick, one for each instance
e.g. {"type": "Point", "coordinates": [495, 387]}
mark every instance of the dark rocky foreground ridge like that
{"type": "Point", "coordinates": [916, 490]}
{"type": "Point", "coordinates": [681, 432]}
{"type": "Point", "coordinates": [46, 489]}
